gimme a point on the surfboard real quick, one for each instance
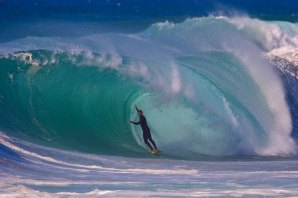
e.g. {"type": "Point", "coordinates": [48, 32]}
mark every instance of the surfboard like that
{"type": "Point", "coordinates": [154, 152]}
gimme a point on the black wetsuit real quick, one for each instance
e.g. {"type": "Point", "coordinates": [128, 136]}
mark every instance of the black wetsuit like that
{"type": "Point", "coordinates": [146, 132]}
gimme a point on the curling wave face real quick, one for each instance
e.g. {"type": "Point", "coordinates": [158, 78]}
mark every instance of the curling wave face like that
{"type": "Point", "coordinates": [207, 86]}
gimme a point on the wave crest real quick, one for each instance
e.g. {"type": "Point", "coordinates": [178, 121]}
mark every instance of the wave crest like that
{"type": "Point", "coordinates": [204, 85]}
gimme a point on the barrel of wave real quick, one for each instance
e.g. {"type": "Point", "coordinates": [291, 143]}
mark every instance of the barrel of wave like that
{"type": "Point", "coordinates": [229, 117]}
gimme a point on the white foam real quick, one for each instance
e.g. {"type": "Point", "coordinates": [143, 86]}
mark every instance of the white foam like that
{"type": "Point", "coordinates": [176, 82]}
{"type": "Point", "coordinates": [268, 34]}
{"type": "Point", "coordinates": [254, 192]}
{"type": "Point", "coordinates": [163, 25]}
{"type": "Point", "coordinates": [230, 112]}
{"type": "Point", "coordinates": [27, 58]}
{"type": "Point", "coordinates": [286, 58]}
{"type": "Point", "coordinates": [26, 192]}
{"type": "Point", "coordinates": [279, 39]}
{"type": "Point", "coordinates": [5, 141]}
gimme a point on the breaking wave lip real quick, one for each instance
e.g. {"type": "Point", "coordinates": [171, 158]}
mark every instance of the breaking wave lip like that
{"type": "Point", "coordinates": [201, 84]}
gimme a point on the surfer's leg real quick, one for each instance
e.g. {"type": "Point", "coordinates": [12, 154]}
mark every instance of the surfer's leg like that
{"type": "Point", "coordinates": [148, 144]}
{"type": "Point", "coordinates": [148, 136]}
{"type": "Point", "coordinates": [152, 142]}
{"type": "Point", "coordinates": [145, 137]}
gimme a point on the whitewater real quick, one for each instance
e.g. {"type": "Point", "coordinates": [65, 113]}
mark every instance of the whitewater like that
{"type": "Point", "coordinates": [219, 94]}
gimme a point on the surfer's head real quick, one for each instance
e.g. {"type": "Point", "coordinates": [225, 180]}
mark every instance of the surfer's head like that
{"type": "Point", "coordinates": [140, 112]}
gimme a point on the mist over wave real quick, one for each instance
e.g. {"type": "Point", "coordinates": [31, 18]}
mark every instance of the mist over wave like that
{"type": "Point", "coordinates": [208, 86]}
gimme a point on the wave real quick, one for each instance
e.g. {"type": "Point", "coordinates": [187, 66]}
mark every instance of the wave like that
{"type": "Point", "coordinates": [208, 86]}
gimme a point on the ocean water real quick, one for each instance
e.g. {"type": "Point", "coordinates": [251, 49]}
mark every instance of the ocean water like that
{"type": "Point", "coordinates": [216, 80]}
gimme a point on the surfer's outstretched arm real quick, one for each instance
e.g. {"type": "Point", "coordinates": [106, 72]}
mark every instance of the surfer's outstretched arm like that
{"type": "Point", "coordinates": [137, 108]}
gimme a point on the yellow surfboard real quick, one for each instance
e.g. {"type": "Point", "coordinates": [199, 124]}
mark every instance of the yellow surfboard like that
{"type": "Point", "coordinates": [154, 152]}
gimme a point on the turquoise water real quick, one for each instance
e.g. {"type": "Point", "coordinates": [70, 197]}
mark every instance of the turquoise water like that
{"type": "Point", "coordinates": [206, 96]}
{"type": "Point", "coordinates": [218, 91]}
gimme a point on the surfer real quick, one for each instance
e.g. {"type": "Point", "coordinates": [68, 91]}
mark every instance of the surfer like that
{"type": "Point", "coordinates": [146, 131]}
